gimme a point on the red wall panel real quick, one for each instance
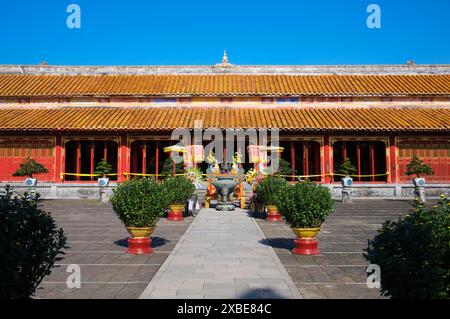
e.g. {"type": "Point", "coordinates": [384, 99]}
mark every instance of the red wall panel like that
{"type": "Point", "coordinates": [14, 152]}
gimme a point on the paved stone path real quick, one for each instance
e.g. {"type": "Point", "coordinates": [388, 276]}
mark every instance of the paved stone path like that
{"type": "Point", "coordinates": [98, 241]}
{"type": "Point", "coordinates": [222, 255]}
{"type": "Point", "coordinates": [339, 271]}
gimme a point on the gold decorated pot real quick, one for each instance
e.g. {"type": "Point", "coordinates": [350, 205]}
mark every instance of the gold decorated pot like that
{"type": "Point", "coordinates": [176, 208]}
{"type": "Point", "coordinates": [272, 209]}
{"type": "Point", "coordinates": [140, 231]}
{"type": "Point", "coordinates": [306, 232]}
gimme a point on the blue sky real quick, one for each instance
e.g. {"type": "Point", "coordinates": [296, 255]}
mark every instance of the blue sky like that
{"type": "Point", "coordinates": [141, 32]}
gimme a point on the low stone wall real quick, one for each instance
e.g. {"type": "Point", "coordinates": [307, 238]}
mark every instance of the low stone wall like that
{"type": "Point", "coordinates": [64, 190]}
{"type": "Point", "coordinates": [390, 191]}
{"type": "Point", "coordinates": [363, 191]}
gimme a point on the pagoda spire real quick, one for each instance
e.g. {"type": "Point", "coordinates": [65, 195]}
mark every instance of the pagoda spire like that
{"type": "Point", "coordinates": [225, 57]}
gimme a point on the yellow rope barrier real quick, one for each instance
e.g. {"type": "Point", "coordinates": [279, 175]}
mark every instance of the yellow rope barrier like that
{"type": "Point", "coordinates": [214, 175]}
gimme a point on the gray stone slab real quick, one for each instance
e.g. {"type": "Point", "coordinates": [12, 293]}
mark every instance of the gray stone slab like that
{"type": "Point", "coordinates": [227, 247]}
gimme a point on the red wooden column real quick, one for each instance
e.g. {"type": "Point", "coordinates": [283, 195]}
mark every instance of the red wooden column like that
{"type": "Point", "coordinates": [58, 159]}
{"type": "Point", "coordinates": [344, 151]}
{"type": "Point", "coordinates": [327, 163]}
{"type": "Point", "coordinates": [392, 177]}
{"type": "Point", "coordinates": [124, 158]}
{"type": "Point", "coordinates": [372, 160]}
{"type": "Point", "coordinates": [105, 150]}
{"type": "Point", "coordinates": [293, 160]}
{"type": "Point", "coordinates": [92, 159]}
{"type": "Point", "coordinates": [78, 160]}
{"type": "Point", "coordinates": [144, 157]}
{"type": "Point", "coordinates": [316, 152]}
{"type": "Point", "coordinates": [358, 158]}
{"type": "Point", "coordinates": [157, 159]}
{"type": "Point", "coordinates": [305, 158]}
{"type": "Point", "coordinates": [135, 149]}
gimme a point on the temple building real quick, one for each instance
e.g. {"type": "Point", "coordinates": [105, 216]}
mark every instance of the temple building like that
{"type": "Point", "coordinates": [70, 117]}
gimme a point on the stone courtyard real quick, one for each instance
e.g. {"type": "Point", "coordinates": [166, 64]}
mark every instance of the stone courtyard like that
{"type": "Point", "coordinates": [215, 255]}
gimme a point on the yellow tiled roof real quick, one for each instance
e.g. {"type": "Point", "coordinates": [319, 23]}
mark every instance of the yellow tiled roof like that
{"type": "Point", "coordinates": [222, 85]}
{"type": "Point", "coordinates": [164, 119]}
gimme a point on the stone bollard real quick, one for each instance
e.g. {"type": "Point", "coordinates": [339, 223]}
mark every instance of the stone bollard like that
{"type": "Point", "coordinates": [103, 192]}
{"type": "Point", "coordinates": [346, 194]}
{"type": "Point", "coordinates": [347, 183]}
{"type": "Point", "coordinates": [419, 189]}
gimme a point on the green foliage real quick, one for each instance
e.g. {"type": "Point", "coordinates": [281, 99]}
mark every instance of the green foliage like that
{"type": "Point", "coordinates": [139, 202]}
{"type": "Point", "coordinates": [30, 244]}
{"type": "Point", "coordinates": [103, 168]}
{"type": "Point", "coordinates": [414, 254]}
{"type": "Point", "coordinates": [30, 167]}
{"type": "Point", "coordinates": [418, 167]}
{"type": "Point", "coordinates": [347, 168]}
{"type": "Point", "coordinates": [305, 204]}
{"type": "Point", "coordinates": [269, 190]}
{"type": "Point", "coordinates": [179, 189]}
{"type": "Point", "coordinates": [285, 168]}
{"type": "Point", "coordinates": [167, 169]}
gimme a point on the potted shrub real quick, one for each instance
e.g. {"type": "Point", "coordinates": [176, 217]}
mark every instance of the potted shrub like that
{"type": "Point", "coordinates": [269, 190]}
{"type": "Point", "coordinates": [139, 203]}
{"type": "Point", "coordinates": [179, 189]}
{"type": "Point", "coordinates": [305, 206]}
{"type": "Point", "coordinates": [413, 253]}
{"type": "Point", "coordinates": [29, 168]}
{"type": "Point", "coordinates": [418, 168]}
{"type": "Point", "coordinates": [102, 169]}
{"type": "Point", "coordinates": [347, 169]}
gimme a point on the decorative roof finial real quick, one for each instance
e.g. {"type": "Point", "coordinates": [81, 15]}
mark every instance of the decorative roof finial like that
{"type": "Point", "coordinates": [225, 57]}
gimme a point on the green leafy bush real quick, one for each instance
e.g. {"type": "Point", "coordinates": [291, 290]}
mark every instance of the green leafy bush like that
{"type": "Point", "coordinates": [270, 189]}
{"type": "Point", "coordinates": [139, 202]}
{"type": "Point", "coordinates": [414, 254]}
{"type": "Point", "coordinates": [347, 168]}
{"type": "Point", "coordinates": [305, 204]}
{"type": "Point", "coordinates": [179, 189]}
{"type": "Point", "coordinates": [30, 244]}
{"type": "Point", "coordinates": [418, 167]}
{"type": "Point", "coordinates": [167, 169]}
{"type": "Point", "coordinates": [285, 168]}
{"type": "Point", "coordinates": [30, 167]}
{"type": "Point", "coordinates": [103, 168]}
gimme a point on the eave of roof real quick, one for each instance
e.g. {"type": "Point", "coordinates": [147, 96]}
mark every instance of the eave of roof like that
{"type": "Point", "coordinates": [167, 119]}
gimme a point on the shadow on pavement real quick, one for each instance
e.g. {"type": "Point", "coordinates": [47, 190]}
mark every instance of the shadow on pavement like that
{"type": "Point", "coordinates": [284, 243]}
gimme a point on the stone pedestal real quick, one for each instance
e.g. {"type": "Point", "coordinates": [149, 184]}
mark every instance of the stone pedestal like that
{"type": "Point", "coordinates": [103, 195]}
{"type": "Point", "coordinates": [305, 246]}
{"type": "Point", "coordinates": [175, 216]}
{"type": "Point", "coordinates": [139, 245]}
{"type": "Point", "coordinates": [273, 215]}
{"type": "Point", "coordinates": [346, 194]}
{"type": "Point", "coordinates": [419, 191]}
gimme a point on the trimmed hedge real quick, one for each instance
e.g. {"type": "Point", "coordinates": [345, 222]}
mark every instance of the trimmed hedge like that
{"type": "Point", "coordinates": [414, 254]}
{"type": "Point", "coordinates": [306, 204]}
{"type": "Point", "coordinates": [140, 202]}
{"type": "Point", "coordinates": [30, 244]}
{"type": "Point", "coordinates": [269, 190]}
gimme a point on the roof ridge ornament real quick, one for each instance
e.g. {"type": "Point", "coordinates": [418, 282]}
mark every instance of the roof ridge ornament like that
{"type": "Point", "coordinates": [225, 63]}
{"type": "Point", "coordinates": [225, 57]}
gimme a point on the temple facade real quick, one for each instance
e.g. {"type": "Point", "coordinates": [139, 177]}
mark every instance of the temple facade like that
{"type": "Point", "coordinates": [70, 117]}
